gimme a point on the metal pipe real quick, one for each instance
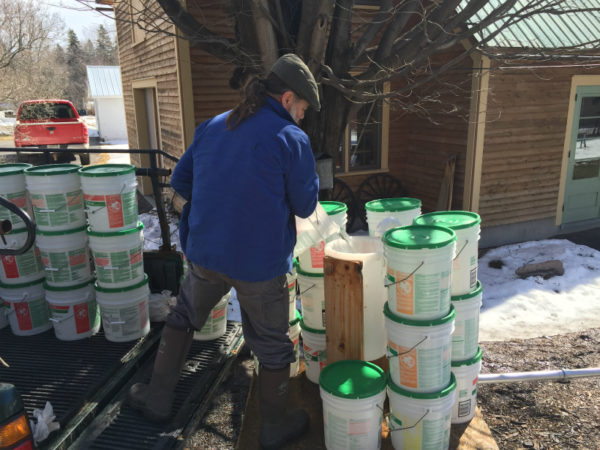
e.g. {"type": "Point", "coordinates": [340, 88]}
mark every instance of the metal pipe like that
{"type": "Point", "coordinates": [546, 375]}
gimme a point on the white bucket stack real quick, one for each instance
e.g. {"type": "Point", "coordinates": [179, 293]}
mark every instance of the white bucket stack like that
{"type": "Point", "coordinates": [12, 188]}
{"type": "Point", "coordinates": [386, 213]}
{"type": "Point", "coordinates": [28, 312]}
{"type": "Point", "coordinates": [116, 243]}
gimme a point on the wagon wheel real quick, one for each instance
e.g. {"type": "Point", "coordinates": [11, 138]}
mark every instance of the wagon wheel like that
{"type": "Point", "coordinates": [341, 192]}
{"type": "Point", "coordinates": [381, 185]}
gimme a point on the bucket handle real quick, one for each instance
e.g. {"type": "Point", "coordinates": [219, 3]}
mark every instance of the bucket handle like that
{"type": "Point", "coordinates": [407, 277]}
{"type": "Point", "coordinates": [307, 289]}
{"type": "Point", "coordinates": [461, 250]}
{"type": "Point", "coordinates": [53, 320]}
{"type": "Point", "coordinates": [117, 322]}
{"type": "Point", "coordinates": [110, 268]}
{"type": "Point", "coordinates": [52, 269]}
{"type": "Point", "coordinates": [409, 350]}
{"type": "Point", "coordinates": [392, 429]}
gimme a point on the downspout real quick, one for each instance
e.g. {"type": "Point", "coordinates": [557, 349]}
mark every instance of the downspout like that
{"type": "Point", "coordinates": [545, 375]}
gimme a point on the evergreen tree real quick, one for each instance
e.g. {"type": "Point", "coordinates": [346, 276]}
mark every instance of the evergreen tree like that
{"type": "Point", "coordinates": [76, 90]}
{"type": "Point", "coordinates": [106, 52]}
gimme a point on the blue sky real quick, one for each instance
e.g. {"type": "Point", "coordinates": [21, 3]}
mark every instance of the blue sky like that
{"type": "Point", "coordinates": [80, 18]}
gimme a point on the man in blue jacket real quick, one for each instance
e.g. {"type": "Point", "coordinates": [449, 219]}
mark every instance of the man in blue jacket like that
{"type": "Point", "coordinates": [247, 174]}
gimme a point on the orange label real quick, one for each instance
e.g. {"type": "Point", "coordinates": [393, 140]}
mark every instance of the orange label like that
{"type": "Point", "coordinates": [317, 253]}
{"type": "Point", "coordinates": [135, 257]}
{"type": "Point", "coordinates": [38, 202]}
{"type": "Point", "coordinates": [75, 260]}
{"type": "Point", "coordinates": [114, 204]}
{"type": "Point", "coordinates": [21, 202]}
{"type": "Point", "coordinates": [218, 313]}
{"type": "Point", "coordinates": [405, 293]}
{"type": "Point", "coordinates": [102, 261]}
{"type": "Point", "coordinates": [94, 198]}
{"type": "Point", "coordinates": [407, 362]}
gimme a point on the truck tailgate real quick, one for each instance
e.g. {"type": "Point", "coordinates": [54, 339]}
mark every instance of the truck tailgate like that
{"type": "Point", "coordinates": [51, 133]}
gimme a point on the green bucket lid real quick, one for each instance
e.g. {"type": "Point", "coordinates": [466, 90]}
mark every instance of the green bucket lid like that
{"type": "Point", "coordinates": [352, 379]}
{"type": "Point", "coordinates": [469, 295]}
{"type": "Point", "coordinates": [67, 288]}
{"type": "Point", "coordinates": [419, 323]}
{"type": "Point", "coordinates": [140, 227]}
{"type": "Point", "coordinates": [456, 220]}
{"type": "Point", "coordinates": [60, 232]}
{"type": "Point", "coordinates": [13, 169]}
{"type": "Point", "coordinates": [121, 289]}
{"type": "Point", "coordinates": [393, 204]}
{"type": "Point", "coordinates": [423, 395]}
{"type": "Point", "coordinates": [309, 274]}
{"type": "Point", "coordinates": [469, 362]}
{"type": "Point", "coordinates": [297, 319]}
{"type": "Point", "coordinates": [332, 208]}
{"type": "Point", "coordinates": [106, 170]}
{"type": "Point", "coordinates": [416, 237]}
{"type": "Point", "coordinates": [52, 169]}
{"type": "Point", "coordinates": [22, 285]}
{"type": "Point", "coordinates": [309, 329]}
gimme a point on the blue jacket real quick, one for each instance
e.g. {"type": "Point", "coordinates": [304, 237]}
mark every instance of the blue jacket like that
{"type": "Point", "coordinates": [244, 187]}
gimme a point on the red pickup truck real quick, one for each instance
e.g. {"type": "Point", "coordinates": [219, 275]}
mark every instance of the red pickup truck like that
{"type": "Point", "coordinates": [50, 124]}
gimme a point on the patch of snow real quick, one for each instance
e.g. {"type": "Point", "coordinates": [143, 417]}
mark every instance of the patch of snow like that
{"type": "Point", "coordinates": [152, 235]}
{"type": "Point", "coordinates": [7, 126]}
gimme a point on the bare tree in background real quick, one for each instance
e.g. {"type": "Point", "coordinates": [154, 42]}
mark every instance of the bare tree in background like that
{"type": "Point", "coordinates": [352, 52]}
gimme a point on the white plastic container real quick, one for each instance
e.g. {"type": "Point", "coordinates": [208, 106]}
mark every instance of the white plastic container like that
{"type": "Point", "coordinates": [74, 312]}
{"type": "Point", "coordinates": [419, 351]}
{"type": "Point", "coordinates": [109, 192]}
{"type": "Point", "coordinates": [386, 213]}
{"type": "Point", "coordinates": [466, 225]}
{"type": "Point", "coordinates": [466, 374]}
{"type": "Point", "coordinates": [28, 312]}
{"type": "Point", "coordinates": [420, 421]}
{"type": "Point", "coordinates": [312, 298]}
{"type": "Point", "coordinates": [369, 251]}
{"type": "Point", "coordinates": [65, 256]}
{"type": "Point", "coordinates": [314, 346]}
{"type": "Point", "coordinates": [216, 323]}
{"type": "Point", "coordinates": [311, 260]}
{"type": "Point", "coordinates": [56, 197]}
{"type": "Point", "coordinates": [294, 334]}
{"type": "Point", "coordinates": [125, 315]}
{"type": "Point", "coordinates": [465, 339]}
{"type": "Point", "coordinates": [419, 266]}
{"type": "Point", "coordinates": [353, 393]}
{"type": "Point", "coordinates": [19, 269]}
{"type": "Point", "coordinates": [12, 188]}
{"type": "Point", "coordinates": [118, 256]}
{"type": "Point", "coordinates": [291, 281]}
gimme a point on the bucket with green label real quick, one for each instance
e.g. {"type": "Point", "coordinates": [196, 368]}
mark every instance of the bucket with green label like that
{"type": "Point", "coordinates": [291, 283]}
{"type": "Point", "coordinates": [65, 256]}
{"type": "Point", "coordinates": [74, 312]}
{"type": "Point", "coordinates": [312, 298]}
{"type": "Point", "coordinates": [419, 266]}
{"type": "Point", "coordinates": [12, 188]}
{"type": "Point", "coordinates": [465, 339]}
{"type": "Point", "coordinates": [353, 393]}
{"type": "Point", "coordinates": [386, 213]}
{"type": "Point", "coordinates": [56, 197]}
{"type": "Point", "coordinates": [314, 346]}
{"type": "Point", "coordinates": [466, 225]}
{"type": "Point", "coordinates": [124, 311]}
{"type": "Point", "coordinates": [419, 351]}
{"type": "Point", "coordinates": [109, 192]}
{"type": "Point", "coordinates": [420, 421]}
{"type": "Point", "coordinates": [118, 256]}
{"type": "Point", "coordinates": [466, 373]}
{"type": "Point", "coordinates": [18, 269]}
{"type": "Point", "coordinates": [294, 334]}
{"type": "Point", "coordinates": [28, 312]}
{"type": "Point", "coordinates": [216, 322]}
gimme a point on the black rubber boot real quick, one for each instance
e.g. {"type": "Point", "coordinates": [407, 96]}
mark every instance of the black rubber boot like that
{"type": "Point", "coordinates": [155, 399]}
{"type": "Point", "coordinates": [279, 425]}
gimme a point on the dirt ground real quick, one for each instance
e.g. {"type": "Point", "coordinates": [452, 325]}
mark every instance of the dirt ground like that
{"type": "Point", "coordinates": [533, 414]}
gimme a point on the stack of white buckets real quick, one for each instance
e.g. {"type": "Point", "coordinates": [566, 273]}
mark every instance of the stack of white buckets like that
{"type": "Point", "coordinates": [312, 296]}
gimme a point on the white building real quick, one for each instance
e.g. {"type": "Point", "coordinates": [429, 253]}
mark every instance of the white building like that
{"type": "Point", "coordinates": [106, 90]}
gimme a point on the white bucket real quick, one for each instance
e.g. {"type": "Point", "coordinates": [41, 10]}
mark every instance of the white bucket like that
{"type": "Point", "coordinates": [466, 225]}
{"type": "Point", "coordinates": [12, 188]}
{"type": "Point", "coordinates": [19, 269]}
{"type": "Point", "coordinates": [386, 213]}
{"type": "Point", "coordinates": [314, 345]}
{"type": "Point", "coordinates": [419, 351]}
{"type": "Point", "coordinates": [311, 260]}
{"type": "Point", "coordinates": [28, 311]}
{"type": "Point", "coordinates": [465, 339]}
{"type": "Point", "coordinates": [74, 311]}
{"type": "Point", "coordinates": [353, 393]}
{"type": "Point", "coordinates": [65, 256]}
{"type": "Point", "coordinates": [291, 281]}
{"type": "Point", "coordinates": [216, 323]}
{"type": "Point", "coordinates": [420, 421]}
{"type": "Point", "coordinates": [419, 266]}
{"type": "Point", "coordinates": [125, 315]}
{"type": "Point", "coordinates": [118, 256]}
{"type": "Point", "coordinates": [369, 251]}
{"type": "Point", "coordinates": [312, 298]}
{"type": "Point", "coordinates": [294, 334]}
{"type": "Point", "coordinates": [109, 192]}
{"type": "Point", "coordinates": [467, 374]}
{"type": "Point", "coordinates": [56, 197]}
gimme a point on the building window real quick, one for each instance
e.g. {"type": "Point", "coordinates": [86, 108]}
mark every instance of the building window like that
{"type": "Point", "coordinates": [136, 12]}
{"type": "Point", "coordinates": [365, 145]}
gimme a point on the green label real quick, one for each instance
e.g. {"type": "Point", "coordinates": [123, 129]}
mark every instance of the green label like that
{"type": "Point", "coordinates": [39, 312]}
{"type": "Point", "coordinates": [29, 263]}
{"type": "Point", "coordinates": [119, 266]}
{"type": "Point", "coordinates": [58, 209]}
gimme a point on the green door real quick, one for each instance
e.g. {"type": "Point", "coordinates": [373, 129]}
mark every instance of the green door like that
{"type": "Point", "coordinates": [582, 189]}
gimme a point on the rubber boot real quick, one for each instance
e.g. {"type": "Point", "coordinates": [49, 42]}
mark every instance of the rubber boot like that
{"type": "Point", "coordinates": [155, 399]}
{"type": "Point", "coordinates": [279, 425]}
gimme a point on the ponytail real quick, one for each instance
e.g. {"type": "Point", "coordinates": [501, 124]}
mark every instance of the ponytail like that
{"type": "Point", "coordinates": [255, 93]}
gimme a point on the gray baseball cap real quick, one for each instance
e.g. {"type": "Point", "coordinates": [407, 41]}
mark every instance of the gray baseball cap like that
{"type": "Point", "coordinates": [293, 72]}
